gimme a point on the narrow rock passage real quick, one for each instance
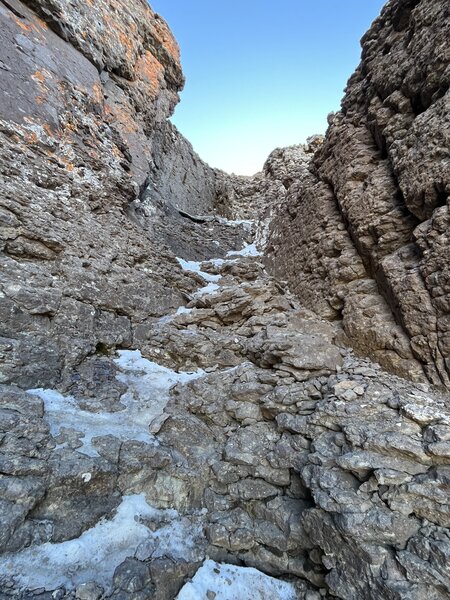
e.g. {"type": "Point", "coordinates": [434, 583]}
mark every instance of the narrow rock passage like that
{"type": "Point", "coordinates": [245, 436]}
{"type": "Point", "coordinates": [190, 429]}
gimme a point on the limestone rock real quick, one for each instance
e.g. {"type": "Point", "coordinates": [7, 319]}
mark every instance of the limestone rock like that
{"type": "Point", "coordinates": [363, 232]}
{"type": "Point", "coordinates": [234, 423]}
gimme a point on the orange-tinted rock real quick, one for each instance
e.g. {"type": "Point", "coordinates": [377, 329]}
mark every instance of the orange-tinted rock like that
{"type": "Point", "coordinates": [85, 92]}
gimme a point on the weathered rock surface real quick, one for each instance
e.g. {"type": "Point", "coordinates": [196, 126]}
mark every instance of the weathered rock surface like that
{"type": "Point", "coordinates": [363, 236]}
{"type": "Point", "coordinates": [92, 178]}
{"type": "Point", "coordinates": [163, 399]}
{"type": "Point", "coordinates": [287, 454]}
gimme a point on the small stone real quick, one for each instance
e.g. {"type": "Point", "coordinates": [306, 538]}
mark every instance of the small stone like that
{"type": "Point", "coordinates": [130, 576]}
{"type": "Point", "coordinates": [311, 595]}
{"type": "Point", "coordinates": [343, 386]}
{"type": "Point", "coordinates": [391, 477]}
{"type": "Point", "coordinates": [88, 591]}
{"type": "Point", "coordinates": [348, 396]}
{"type": "Point", "coordinates": [440, 449]}
{"type": "Point", "coordinates": [253, 489]}
{"type": "Point", "coordinates": [424, 415]}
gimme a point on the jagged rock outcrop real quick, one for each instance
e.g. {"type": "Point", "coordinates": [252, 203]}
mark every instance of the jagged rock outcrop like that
{"type": "Point", "coordinates": [257, 197]}
{"type": "Point", "coordinates": [366, 233]}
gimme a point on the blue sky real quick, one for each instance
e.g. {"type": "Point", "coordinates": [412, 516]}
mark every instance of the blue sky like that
{"type": "Point", "coordinates": [261, 75]}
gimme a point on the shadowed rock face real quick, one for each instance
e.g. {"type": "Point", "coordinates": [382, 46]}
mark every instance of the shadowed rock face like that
{"type": "Point", "coordinates": [366, 233]}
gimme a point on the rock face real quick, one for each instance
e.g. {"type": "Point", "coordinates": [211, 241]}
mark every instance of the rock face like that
{"type": "Point", "coordinates": [284, 452]}
{"type": "Point", "coordinates": [364, 237]}
{"type": "Point", "coordinates": [165, 402]}
{"type": "Point", "coordinates": [85, 94]}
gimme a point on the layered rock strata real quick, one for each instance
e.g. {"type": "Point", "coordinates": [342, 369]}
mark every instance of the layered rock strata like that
{"type": "Point", "coordinates": [366, 233]}
{"type": "Point", "coordinates": [267, 445]}
{"type": "Point", "coordinates": [85, 93]}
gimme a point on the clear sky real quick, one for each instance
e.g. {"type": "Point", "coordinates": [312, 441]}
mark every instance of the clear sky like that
{"type": "Point", "coordinates": [262, 74]}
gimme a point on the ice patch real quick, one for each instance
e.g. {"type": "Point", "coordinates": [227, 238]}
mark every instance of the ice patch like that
{"type": "Point", "coordinates": [147, 394]}
{"type": "Point", "coordinates": [145, 378]}
{"type": "Point", "coordinates": [165, 319]}
{"type": "Point", "coordinates": [208, 289]}
{"type": "Point", "coordinates": [227, 582]}
{"type": "Point", "coordinates": [180, 538]}
{"type": "Point", "coordinates": [248, 250]}
{"type": "Point", "coordinates": [182, 310]}
{"type": "Point", "coordinates": [95, 555]}
{"type": "Point", "coordinates": [195, 267]}
{"type": "Point", "coordinates": [245, 223]}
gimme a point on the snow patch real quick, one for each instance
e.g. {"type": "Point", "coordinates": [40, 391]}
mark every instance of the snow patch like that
{"type": "Point", "coordinates": [182, 310]}
{"type": "Point", "coordinates": [165, 319]}
{"type": "Point", "coordinates": [207, 289]}
{"type": "Point", "coordinates": [178, 538]}
{"type": "Point", "coordinates": [195, 267]}
{"type": "Point", "coordinates": [95, 555]}
{"type": "Point", "coordinates": [148, 385]}
{"type": "Point", "coordinates": [227, 582]}
{"type": "Point", "coordinates": [147, 394]}
{"type": "Point", "coordinates": [248, 250]}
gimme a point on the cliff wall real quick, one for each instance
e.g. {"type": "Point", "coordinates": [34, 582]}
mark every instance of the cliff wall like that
{"type": "Point", "coordinates": [86, 90]}
{"type": "Point", "coordinates": [364, 237]}
{"type": "Point", "coordinates": [164, 400]}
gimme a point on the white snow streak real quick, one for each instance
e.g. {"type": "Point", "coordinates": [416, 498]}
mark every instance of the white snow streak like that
{"type": "Point", "coordinates": [195, 267]}
{"type": "Point", "coordinates": [227, 582]}
{"type": "Point", "coordinates": [147, 394]}
{"type": "Point", "coordinates": [207, 289]}
{"type": "Point", "coordinates": [95, 555]}
{"type": "Point", "coordinates": [248, 250]}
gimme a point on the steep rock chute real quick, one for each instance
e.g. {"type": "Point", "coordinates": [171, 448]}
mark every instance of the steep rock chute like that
{"type": "Point", "coordinates": [173, 418]}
